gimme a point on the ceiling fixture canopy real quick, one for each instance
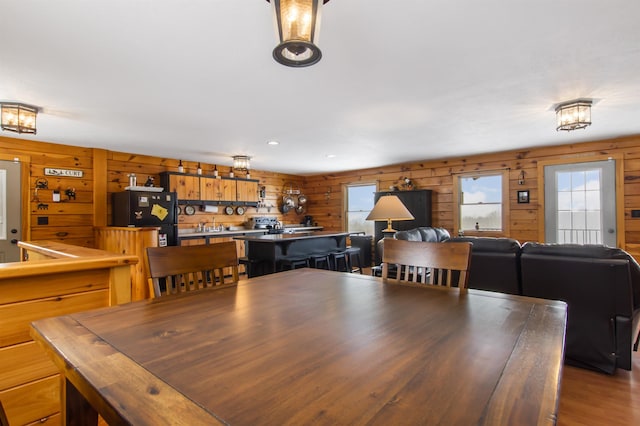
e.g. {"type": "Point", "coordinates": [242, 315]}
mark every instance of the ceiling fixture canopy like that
{"type": "Point", "coordinates": [19, 118]}
{"type": "Point", "coordinates": [298, 26]}
{"type": "Point", "coordinates": [241, 162]}
{"type": "Point", "coordinates": [573, 115]}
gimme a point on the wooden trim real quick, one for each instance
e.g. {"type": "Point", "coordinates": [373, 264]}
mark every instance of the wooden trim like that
{"type": "Point", "coordinates": [99, 187]}
{"type": "Point", "coordinates": [25, 190]}
{"type": "Point", "coordinates": [619, 187]}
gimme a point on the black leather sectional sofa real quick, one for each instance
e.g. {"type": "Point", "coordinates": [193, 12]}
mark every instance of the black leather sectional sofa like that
{"type": "Point", "coordinates": [601, 286]}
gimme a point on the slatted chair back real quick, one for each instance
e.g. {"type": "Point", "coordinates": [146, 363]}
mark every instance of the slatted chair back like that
{"type": "Point", "coordinates": [428, 263]}
{"type": "Point", "coordinates": [188, 268]}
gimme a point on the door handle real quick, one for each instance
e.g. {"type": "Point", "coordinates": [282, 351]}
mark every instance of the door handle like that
{"type": "Point", "coordinates": [14, 241]}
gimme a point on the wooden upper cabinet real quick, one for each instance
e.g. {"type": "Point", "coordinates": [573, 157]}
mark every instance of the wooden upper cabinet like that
{"type": "Point", "coordinates": [187, 187]}
{"type": "Point", "coordinates": [228, 189]}
{"type": "Point", "coordinates": [211, 189]}
{"type": "Point", "coordinates": [247, 190]}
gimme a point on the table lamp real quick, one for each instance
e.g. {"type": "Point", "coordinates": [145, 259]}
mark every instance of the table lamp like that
{"type": "Point", "coordinates": [389, 208]}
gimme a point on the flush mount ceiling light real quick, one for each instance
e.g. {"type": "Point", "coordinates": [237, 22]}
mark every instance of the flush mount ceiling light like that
{"type": "Point", "coordinates": [241, 162]}
{"type": "Point", "coordinates": [298, 26]}
{"type": "Point", "coordinates": [19, 118]}
{"type": "Point", "coordinates": [573, 115]}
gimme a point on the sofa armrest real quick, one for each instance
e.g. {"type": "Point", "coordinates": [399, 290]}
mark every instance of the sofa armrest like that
{"type": "Point", "coordinates": [599, 297]}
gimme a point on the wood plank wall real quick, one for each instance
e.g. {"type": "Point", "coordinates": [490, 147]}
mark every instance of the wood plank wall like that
{"type": "Point", "coordinates": [72, 220]}
{"type": "Point", "coordinates": [120, 165]}
{"type": "Point", "coordinates": [326, 192]}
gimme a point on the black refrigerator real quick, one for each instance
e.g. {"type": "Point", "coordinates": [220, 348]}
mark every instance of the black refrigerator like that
{"type": "Point", "coordinates": [147, 208]}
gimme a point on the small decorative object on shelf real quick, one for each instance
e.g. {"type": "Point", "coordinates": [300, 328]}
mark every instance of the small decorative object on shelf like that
{"type": "Point", "coordinates": [180, 167]}
{"type": "Point", "coordinates": [215, 170]}
{"type": "Point", "coordinates": [149, 181]}
{"type": "Point", "coordinates": [231, 172]}
{"type": "Point", "coordinates": [199, 169]}
{"type": "Point", "coordinates": [248, 174]}
{"type": "Point", "coordinates": [407, 184]}
{"type": "Point", "coordinates": [132, 179]}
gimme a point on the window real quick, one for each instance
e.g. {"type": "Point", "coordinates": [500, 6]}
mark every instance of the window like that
{"type": "Point", "coordinates": [359, 203]}
{"type": "Point", "coordinates": [481, 202]}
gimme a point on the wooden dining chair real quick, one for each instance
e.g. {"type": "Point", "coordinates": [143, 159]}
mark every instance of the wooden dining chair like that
{"type": "Point", "coordinates": [178, 269]}
{"type": "Point", "coordinates": [427, 263]}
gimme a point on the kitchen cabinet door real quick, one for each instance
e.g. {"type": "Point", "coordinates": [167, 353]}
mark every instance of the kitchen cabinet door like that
{"type": "Point", "coordinates": [228, 189]}
{"type": "Point", "coordinates": [247, 190]}
{"type": "Point", "coordinates": [186, 186]}
{"type": "Point", "coordinates": [211, 189]}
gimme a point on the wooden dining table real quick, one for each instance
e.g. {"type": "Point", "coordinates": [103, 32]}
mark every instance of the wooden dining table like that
{"type": "Point", "coordinates": [312, 347]}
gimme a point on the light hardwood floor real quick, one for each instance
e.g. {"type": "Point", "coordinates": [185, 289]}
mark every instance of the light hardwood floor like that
{"type": "Point", "coordinates": [594, 399]}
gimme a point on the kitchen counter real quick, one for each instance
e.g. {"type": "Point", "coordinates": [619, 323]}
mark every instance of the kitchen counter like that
{"type": "Point", "coordinates": [208, 235]}
{"type": "Point", "coordinates": [265, 251]}
{"type": "Point", "coordinates": [288, 229]}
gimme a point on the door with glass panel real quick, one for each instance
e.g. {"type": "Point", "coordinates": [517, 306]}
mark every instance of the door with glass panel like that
{"type": "Point", "coordinates": [10, 211]}
{"type": "Point", "coordinates": [580, 203]}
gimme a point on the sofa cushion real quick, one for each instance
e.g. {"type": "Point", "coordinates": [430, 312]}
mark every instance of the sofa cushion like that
{"type": "Point", "coordinates": [428, 234]}
{"type": "Point", "coordinates": [441, 234]}
{"type": "Point", "coordinates": [491, 244]}
{"type": "Point", "coordinates": [495, 264]}
{"type": "Point", "coordinates": [409, 235]}
{"type": "Point", "coordinates": [591, 251]}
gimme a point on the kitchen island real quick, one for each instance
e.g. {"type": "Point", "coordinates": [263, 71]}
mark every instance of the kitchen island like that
{"type": "Point", "coordinates": [266, 250]}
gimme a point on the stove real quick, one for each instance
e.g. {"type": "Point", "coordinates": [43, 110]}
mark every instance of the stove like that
{"type": "Point", "coordinates": [270, 223]}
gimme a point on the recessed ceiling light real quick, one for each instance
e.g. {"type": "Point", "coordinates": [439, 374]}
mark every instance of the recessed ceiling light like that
{"type": "Point", "coordinates": [273, 143]}
{"type": "Point", "coordinates": [331, 156]}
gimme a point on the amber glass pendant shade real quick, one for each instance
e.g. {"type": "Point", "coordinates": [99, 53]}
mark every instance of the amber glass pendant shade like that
{"type": "Point", "coordinates": [298, 24]}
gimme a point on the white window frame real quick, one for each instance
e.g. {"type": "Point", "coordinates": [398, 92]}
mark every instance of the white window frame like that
{"type": "Point", "coordinates": [457, 203]}
{"type": "Point", "coordinates": [345, 191]}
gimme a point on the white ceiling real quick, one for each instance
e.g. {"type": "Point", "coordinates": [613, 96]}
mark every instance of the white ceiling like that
{"type": "Point", "coordinates": [399, 81]}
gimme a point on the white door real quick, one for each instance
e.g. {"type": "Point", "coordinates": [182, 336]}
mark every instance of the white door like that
{"type": "Point", "coordinates": [580, 203]}
{"type": "Point", "coordinates": [10, 211]}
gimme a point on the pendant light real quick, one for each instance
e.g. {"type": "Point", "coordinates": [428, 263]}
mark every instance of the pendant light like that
{"type": "Point", "coordinates": [19, 118]}
{"type": "Point", "coordinates": [573, 115]}
{"type": "Point", "coordinates": [298, 25]}
{"type": "Point", "coordinates": [241, 162]}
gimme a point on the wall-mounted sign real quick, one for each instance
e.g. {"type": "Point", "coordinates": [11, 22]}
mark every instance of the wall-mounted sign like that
{"type": "Point", "coordinates": [63, 172]}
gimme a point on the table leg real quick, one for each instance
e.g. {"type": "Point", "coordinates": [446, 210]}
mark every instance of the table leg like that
{"type": "Point", "coordinates": [78, 411]}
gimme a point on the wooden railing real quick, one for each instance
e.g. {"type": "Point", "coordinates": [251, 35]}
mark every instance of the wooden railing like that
{"type": "Point", "coordinates": [57, 279]}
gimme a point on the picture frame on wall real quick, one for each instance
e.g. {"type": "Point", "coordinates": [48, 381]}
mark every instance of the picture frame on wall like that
{"type": "Point", "coordinates": [523, 197]}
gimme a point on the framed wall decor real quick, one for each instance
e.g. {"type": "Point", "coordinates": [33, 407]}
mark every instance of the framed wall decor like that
{"type": "Point", "coordinates": [523, 197]}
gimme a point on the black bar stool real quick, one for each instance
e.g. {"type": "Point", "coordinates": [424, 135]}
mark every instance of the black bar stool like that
{"type": "Point", "coordinates": [354, 253]}
{"type": "Point", "coordinates": [292, 262]}
{"type": "Point", "coordinates": [338, 257]}
{"type": "Point", "coordinates": [319, 261]}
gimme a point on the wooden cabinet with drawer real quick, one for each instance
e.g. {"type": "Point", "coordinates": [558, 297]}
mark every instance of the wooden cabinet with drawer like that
{"type": "Point", "coordinates": [58, 279]}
